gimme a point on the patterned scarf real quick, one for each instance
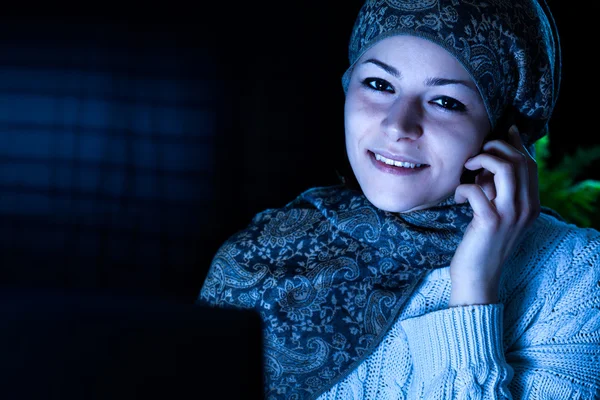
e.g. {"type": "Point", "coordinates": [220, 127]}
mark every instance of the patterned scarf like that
{"type": "Point", "coordinates": [328, 274]}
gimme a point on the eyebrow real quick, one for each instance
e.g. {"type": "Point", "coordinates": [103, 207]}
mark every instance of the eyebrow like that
{"type": "Point", "coordinates": [434, 81]}
{"type": "Point", "coordinates": [431, 81]}
{"type": "Point", "coordinates": [387, 68]}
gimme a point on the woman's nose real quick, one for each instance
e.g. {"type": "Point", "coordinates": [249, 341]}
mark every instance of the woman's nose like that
{"type": "Point", "coordinates": [403, 119]}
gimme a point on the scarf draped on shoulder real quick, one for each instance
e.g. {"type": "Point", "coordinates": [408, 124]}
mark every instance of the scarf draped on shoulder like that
{"type": "Point", "coordinates": [328, 274]}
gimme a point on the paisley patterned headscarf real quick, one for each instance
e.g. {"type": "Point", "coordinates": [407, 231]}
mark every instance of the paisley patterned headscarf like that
{"type": "Point", "coordinates": [510, 47]}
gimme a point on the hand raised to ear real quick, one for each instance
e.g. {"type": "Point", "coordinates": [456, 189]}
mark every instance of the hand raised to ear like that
{"type": "Point", "coordinates": [505, 201]}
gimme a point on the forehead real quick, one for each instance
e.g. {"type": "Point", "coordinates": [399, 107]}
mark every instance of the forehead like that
{"type": "Point", "coordinates": [407, 52]}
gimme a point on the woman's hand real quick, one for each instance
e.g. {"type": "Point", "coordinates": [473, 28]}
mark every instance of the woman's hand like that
{"type": "Point", "coordinates": [504, 200]}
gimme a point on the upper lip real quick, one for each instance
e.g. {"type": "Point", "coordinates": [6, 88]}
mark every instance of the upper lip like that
{"type": "Point", "coordinates": [397, 157]}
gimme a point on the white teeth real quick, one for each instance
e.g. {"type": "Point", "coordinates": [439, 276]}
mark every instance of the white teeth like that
{"type": "Point", "coordinates": [381, 158]}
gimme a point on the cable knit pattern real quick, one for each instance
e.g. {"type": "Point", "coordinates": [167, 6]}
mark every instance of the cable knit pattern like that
{"type": "Point", "coordinates": [542, 341]}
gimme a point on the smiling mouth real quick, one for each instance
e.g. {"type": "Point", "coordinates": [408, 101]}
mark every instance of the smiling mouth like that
{"type": "Point", "coordinates": [395, 163]}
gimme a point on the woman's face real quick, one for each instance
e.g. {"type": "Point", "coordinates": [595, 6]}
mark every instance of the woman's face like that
{"type": "Point", "coordinates": [411, 101]}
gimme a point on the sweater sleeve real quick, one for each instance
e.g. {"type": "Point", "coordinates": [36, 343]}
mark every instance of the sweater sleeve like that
{"type": "Point", "coordinates": [541, 342]}
{"type": "Point", "coordinates": [554, 347]}
{"type": "Point", "coordinates": [458, 353]}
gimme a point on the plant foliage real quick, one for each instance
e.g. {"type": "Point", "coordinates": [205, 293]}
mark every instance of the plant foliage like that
{"type": "Point", "coordinates": [577, 201]}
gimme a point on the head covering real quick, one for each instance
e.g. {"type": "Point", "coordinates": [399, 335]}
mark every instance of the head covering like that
{"type": "Point", "coordinates": [510, 47]}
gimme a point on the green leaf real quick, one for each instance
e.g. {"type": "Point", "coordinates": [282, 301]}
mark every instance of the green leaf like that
{"type": "Point", "coordinates": [577, 202]}
{"type": "Point", "coordinates": [575, 164]}
{"type": "Point", "coordinates": [542, 152]}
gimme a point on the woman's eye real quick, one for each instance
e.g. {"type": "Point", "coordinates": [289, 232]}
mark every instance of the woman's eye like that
{"type": "Point", "coordinates": [450, 104]}
{"type": "Point", "coordinates": [378, 84]}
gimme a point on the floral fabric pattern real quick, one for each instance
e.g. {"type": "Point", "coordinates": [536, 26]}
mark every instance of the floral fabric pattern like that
{"type": "Point", "coordinates": [328, 273]}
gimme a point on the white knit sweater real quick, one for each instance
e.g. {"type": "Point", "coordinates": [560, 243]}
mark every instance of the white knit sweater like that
{"type": "Point", "coordinates": [542, 341]}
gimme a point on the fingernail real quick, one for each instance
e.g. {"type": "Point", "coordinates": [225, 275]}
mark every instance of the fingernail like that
{"type": "Point", "coordinates": [514, 130]}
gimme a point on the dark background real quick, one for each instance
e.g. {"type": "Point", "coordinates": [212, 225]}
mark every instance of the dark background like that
{"type": "Point", "coordinates": [260, 84]}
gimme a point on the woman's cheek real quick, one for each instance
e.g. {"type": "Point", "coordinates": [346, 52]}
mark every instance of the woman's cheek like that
{"type": "Point", "coordinates": [361, 114]}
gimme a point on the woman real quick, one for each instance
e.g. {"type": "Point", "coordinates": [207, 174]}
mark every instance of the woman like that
{"type": "Point", "coordinates": [432, 272]}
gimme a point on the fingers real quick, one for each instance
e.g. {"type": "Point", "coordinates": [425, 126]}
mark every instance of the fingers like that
{"type": "Point", "coordinates": [527, 196]}
{"type": "Point", "coordinates": [485, 179]}
{"type": "Point", "coordinates": [504, 179]}
{"type": "Point", "coordinates": [483, 209]}
{"type": "Point", "coordinates": [508, 181]}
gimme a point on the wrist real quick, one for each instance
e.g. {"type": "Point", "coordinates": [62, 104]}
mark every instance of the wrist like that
{"type": "Point", "coordinates": [472, 294]}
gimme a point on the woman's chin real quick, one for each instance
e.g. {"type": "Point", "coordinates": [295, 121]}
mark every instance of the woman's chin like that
{"type": "Point", "coordinates": [392, 202]}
